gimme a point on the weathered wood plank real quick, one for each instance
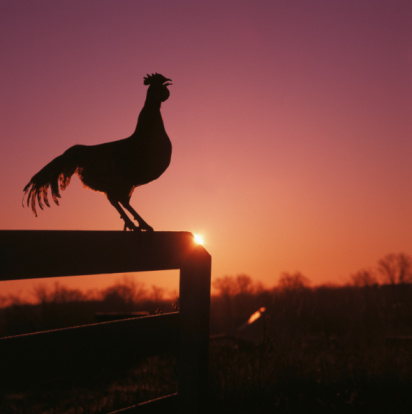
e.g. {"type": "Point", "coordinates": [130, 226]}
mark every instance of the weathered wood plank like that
{"type": "Point", "coordinates": [32, 358]}
{"type": "Point", "coordinates": [167, 404]}
{"type": "Point", "coordinates": [29, 254]}
{"type": "Point", "coordinates": [193, 371]}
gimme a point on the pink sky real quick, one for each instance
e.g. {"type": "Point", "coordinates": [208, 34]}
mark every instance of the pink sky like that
{"type": "Point", "coordinates": [290, 122]}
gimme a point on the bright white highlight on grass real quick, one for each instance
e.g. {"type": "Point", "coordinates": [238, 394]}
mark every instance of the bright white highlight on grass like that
{"type": "Point", "coordinates": [256, 315]}
{"type": "Point", "coordinates": [198, 239]}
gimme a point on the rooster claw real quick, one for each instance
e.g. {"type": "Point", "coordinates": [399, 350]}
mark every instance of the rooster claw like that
{"type": "Point", "coordinates": [132, 227]}
{"type": "Point", "coordinates": [146, 227]}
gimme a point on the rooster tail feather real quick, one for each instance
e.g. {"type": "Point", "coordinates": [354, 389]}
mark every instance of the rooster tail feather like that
{"type": "Point", "coordinates": [55, 176]}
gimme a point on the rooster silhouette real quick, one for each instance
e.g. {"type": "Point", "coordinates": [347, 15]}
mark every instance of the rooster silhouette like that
{"type": "Point", "coordinates": [113, 168]}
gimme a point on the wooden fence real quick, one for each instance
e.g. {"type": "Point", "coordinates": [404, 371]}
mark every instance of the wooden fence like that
{"type": "Point", "coordinates": [32, 358]}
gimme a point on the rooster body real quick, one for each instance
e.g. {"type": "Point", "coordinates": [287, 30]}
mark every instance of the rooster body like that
{"type": "Point", "coordinates": [113, 168]}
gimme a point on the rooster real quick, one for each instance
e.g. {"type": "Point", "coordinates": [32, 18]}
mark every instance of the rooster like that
{"type": "Point", "coordinates": [113, 168]}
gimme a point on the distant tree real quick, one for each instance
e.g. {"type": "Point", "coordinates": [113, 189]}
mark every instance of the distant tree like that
{"type": "Point", "coordinates": [232, 286]}
{"type": "Point", "coordinates": [40, 292]}
{"type": "Point", "coordinates": [157, 293]}
{"type": "Point", "coordinates": [59, 294]}
{"type": "Point", "coordinates": [364, 277]}
{"type": "Point", "coordinates": [10, 300]}
{"type": "Point", "coordinates": [244, 284]}
{"type": "Point", "coordinates": [293, 281]}
{"type": "Point", "coordinates": [224, 286]}
{"type": "Point", "coordinates": [396, 268]}
{"type": "Point", "coordinates": [126, 292]}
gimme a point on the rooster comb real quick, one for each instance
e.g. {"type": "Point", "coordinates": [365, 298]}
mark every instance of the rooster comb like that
{"type": "Point", "coordinates": [154, 78]}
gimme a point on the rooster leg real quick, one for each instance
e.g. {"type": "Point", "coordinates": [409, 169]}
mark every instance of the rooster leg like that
{"type": "Point", "coordinates": [128, 224]}
{"type": "Point", "coordinates": [142, 224]}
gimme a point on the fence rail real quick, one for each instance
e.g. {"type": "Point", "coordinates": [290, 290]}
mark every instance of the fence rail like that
{"type": "Point", "coordinates": [46, 355]}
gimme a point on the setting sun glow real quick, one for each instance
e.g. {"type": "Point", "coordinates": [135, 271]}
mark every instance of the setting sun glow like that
{"type": "Point", "coordinates": [198, 239]}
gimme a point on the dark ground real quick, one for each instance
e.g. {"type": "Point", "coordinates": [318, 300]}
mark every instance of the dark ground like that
{"type": "Point", "coordinates": [323, 350]}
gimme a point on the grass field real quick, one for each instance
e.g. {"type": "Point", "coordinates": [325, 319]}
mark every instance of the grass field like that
{"type": "Point", "coordinates": [320, 350]}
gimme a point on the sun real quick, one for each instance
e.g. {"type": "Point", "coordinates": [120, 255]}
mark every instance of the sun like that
{"type": "Point", "coordinates": [198, 239]}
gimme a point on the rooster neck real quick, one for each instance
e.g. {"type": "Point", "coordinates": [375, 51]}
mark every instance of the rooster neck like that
{"type": "Point", "coordinates": [152, 102]}
{"type": "Point", "coordinates": [149, 120]}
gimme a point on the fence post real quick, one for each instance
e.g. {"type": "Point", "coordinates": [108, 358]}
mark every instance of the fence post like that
{"type": "Point", "coordinates": [27, 254]}
{"type": "Point", "coordinates": [193, 354]}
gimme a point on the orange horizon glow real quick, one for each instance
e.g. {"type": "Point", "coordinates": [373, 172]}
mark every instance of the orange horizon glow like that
{"type": "Point", "coordinates": [290, 125]}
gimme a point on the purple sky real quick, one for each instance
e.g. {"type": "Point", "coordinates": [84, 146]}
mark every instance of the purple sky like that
{"type": "Point", "coordinates": [290, 123]}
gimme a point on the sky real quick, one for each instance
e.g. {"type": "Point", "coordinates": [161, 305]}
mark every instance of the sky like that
{"type": "Point", "coordinates": [290, 123]}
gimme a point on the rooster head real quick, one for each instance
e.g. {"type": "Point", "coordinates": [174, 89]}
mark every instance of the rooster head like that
{"type": "Point", "coordinates": [158, 85]}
